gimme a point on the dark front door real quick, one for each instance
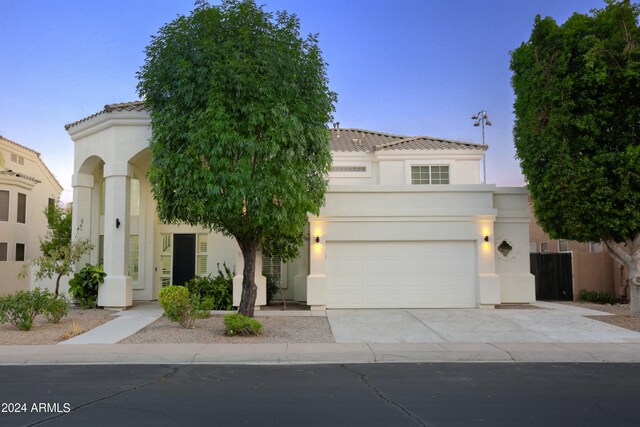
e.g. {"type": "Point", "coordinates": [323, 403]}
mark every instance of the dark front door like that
{"type": "Point", "coordinates": [184, 258]}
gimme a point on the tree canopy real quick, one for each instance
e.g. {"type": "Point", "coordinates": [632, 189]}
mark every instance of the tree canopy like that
{"type": "Point", "coordinates": [239, 106]}
{"type": "Point", "coordinates": [577, 128]}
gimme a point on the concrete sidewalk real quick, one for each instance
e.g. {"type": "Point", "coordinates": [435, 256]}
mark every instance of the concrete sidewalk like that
{"type": "Point", "coordinates": [318, 353]}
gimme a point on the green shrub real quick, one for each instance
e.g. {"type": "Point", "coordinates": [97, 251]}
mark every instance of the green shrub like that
{"type": "Point", "coordinates": [272, 287]}
{"type": "Point", "coordinates": [56, 309]}
{"type": "Point", "coordinates": [237, 324]}
{"type": "Point", "coordinates": [179, 306]}
{"type": "Point", "coordinates": [84, 285]}
{"type": "Point", "coordinates": [215, 293]}
{"type": "Point", "coordinates": [22, 307]}
{"type": "Point", "coordinates": [597, 297]}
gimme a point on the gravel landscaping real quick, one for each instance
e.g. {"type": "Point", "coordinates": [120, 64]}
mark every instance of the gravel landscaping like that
{"type": "Point", "coordinates": [620, 313]}
{"type": "Point", "coordinates": [298, 329]}
{"type": "Point", "coordinates": [43, 332]}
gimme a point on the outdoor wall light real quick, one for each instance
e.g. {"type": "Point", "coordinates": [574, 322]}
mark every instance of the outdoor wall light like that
{"type": "Point", "coordinates": [486, 238]}
{"type": "Point", "coordinates": [117, 222]}
{"type": "Point", "coordinates": [317, 238]}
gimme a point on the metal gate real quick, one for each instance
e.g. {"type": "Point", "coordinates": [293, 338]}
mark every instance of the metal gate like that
{"type": "Point", "coordinates": [553, 276]}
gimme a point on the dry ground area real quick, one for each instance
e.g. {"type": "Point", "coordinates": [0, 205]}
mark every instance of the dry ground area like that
{"type": "Point", "coordinates": [43, 332]}
{"type": "Point", "coordinates": [620, 313]}
{"type": "Point", "coordinates": [211, 330]}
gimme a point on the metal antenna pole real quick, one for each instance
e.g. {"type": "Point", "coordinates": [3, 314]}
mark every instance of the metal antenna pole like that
{"type": "Point", "coordinates": [481, 119]}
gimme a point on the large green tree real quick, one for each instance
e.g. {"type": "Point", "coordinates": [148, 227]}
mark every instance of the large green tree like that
{"type": "Point", "coordinates": [239, 106]}
{"type": "Point", "coordinates": [577, 129]}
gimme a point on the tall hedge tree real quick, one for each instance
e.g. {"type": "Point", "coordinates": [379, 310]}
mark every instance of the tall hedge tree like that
{"type": "Point", "coordinates": [239, 106]}
{"type": "Point", "coordinates": [577, 129]}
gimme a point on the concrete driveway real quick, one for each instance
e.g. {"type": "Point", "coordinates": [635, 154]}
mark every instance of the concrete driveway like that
{"type": "Point", "coordinates": [548, 323]}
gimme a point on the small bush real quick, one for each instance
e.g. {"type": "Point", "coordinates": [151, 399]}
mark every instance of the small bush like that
{"type": "Point", "coordinates": [56, 309]}
{"type": "Point", "coordinates": [22, 307]}
{"type": "Point", "coordinates": [597, 297]}
{"type": "Point", "coordinates": [237, 324]}
{"type": "Point", "coordinates": [181, 307]}
{"type": "Point", "coordinates": [272, 287]}
{"type": "Point", "coordinates": [214, 293]}
{"type": "Point", "coordinates": [84, 285]}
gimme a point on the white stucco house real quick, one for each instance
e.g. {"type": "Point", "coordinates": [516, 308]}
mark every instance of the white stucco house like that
{"type": "Point", "coordinates": [27, 186]}
{"type": "Point", "coordinates": [406, 224]}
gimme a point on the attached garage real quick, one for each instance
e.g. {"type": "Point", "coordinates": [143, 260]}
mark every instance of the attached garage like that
{"type": "Point", "coordinates": [401, 274]}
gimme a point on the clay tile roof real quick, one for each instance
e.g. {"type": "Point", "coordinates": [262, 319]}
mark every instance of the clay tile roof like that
{"type": "Point", "coordinates": [122, 106]}
{"type": "Point", "coordinates": [20, 145]}
{"type": "Point", "coordinates": [125, 106]}
{"type": "Point", "coordinates": [349, 139]}
{"type": "Point", "coordinates": [365, 140]}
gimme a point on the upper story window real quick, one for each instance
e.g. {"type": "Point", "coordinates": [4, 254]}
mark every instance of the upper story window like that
{"type": "Point", "coordinates": [20, 252]}
{"type": "Point", "coordinates": [4, 205]}
{"type": "Point", "coordinates": [544, 247]}
{"type": "Point", "coordinates": [3, 251]}
{"type": "Point", "coordinates": [22, 208]}
{"type": "Point", "coordinates": [429, 174]}
{"type": "Point", "coordinates": [533, 247]}
{"type": "Point", "coordinates": [563, 246]}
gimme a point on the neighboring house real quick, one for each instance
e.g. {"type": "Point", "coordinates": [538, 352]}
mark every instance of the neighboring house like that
{"type": "Point", "coordinates": [406, 223]}
{"type": "Point", "coordinates": [592, 267]}
{"type": "Point", "coordinates": [26, 187]}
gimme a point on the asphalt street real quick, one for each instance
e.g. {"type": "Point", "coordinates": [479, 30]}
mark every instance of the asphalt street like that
{"type": "Point", "coordinates": [442, 394]}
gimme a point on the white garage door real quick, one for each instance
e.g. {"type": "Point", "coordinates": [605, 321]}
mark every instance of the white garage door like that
{"type": "Point", "coordinates": [401, 275]}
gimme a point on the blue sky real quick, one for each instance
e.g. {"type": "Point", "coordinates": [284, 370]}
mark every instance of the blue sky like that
{"type": "Point", "coordinates": [414, 67]}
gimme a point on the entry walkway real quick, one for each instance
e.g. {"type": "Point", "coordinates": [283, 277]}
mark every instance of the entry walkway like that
{"type": "Point", "coordinates": [127, 323]}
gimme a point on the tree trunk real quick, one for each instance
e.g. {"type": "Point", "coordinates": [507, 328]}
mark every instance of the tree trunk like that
{"type": "Point", "coordinates": [249, 288]}
{"type": "Point", "coordinates": [628, 254]}
{"type": "Point", "coordinates": [634, 281]}
{"type": "Point", "coordinates": [634, 298]}
{"type": "Point", "coordinates": [58, 284]}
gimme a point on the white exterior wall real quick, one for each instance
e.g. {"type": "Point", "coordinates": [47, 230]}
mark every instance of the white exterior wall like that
{"type": "Point", "coordinates": [517, 283]}
{"type": "Point", "coordinates": [421, 213]}
{"type": "Point", "coordinates": [35, 226]}
{"type": "Point", "coordinates": [393, 167]}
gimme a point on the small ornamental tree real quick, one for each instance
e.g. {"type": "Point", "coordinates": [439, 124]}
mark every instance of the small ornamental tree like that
{"type": "Point", "coordinates": [577, 129]}
{"type": "Point", "coordinates": [59, 252]}
{"type": "Point", "coordinates": [239, 107]}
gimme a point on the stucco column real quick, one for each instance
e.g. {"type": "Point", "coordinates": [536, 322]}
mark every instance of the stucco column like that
{"type": "Point", "coordinates": [317, 278]}
{"type": "Point", "coordinates": [82, 213]}
{"type": "Point", "coordinates": [302, 271]}
{"type": "Point", "coordinates": [260, 280]}
{"type": "Point", "coordinates": [489, 281]}
{"type": "Point", "coordinates": [116, 292]}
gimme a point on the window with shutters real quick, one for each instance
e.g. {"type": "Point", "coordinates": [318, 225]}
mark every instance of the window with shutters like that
{"type": "Point", "coordinates": [272, 267]}
{"type": "Point", "coordinates": [166, 259]}
{"type": "Point", "coordinates": [201, 254]}
{"type": "Point", "coordinates": [133, 256]}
